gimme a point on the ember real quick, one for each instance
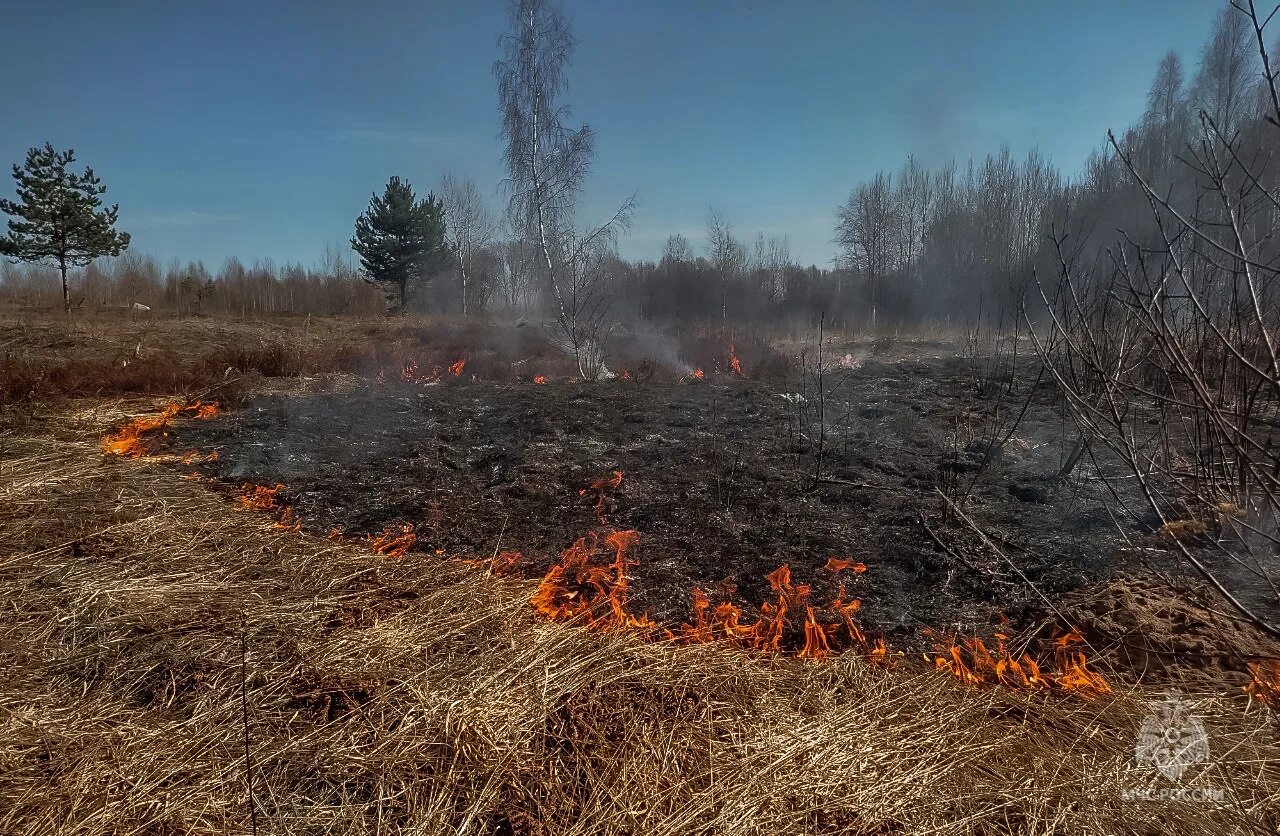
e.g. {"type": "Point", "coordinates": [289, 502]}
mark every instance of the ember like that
{"type": "Point", "coordinates": [411, 373]}
{"type": "Point", "coordinates": [539, 379]}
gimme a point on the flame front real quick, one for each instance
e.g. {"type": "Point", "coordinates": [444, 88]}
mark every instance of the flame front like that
{"type": "Point", "coordinates": [590, 585]}
{"type": "Point", "coordinates": [582, 588]}
{"type": "Point", "coordinates": [788, 622]}
{"type": "Point", "coordinates": [973, 663]}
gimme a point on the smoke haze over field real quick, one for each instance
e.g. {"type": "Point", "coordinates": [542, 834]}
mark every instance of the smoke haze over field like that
{"type": "Point", "coordinates": [258, 130]}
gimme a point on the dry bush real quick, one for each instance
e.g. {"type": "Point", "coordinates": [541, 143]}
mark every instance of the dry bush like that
{"type": "Point", "coordinates": [421, 696]}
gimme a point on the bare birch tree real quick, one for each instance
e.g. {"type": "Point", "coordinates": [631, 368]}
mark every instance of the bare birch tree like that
{"type": "Point", "coordinates": [866, 231]}
{"type": "Point", "coordinates": [469, 228]}
{"type": "Point", "coordinates": [728, 257]}
{"type": "Point", "coordinates": [547, 163]}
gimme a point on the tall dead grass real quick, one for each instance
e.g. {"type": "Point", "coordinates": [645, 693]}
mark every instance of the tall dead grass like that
{"type": "Point", "coordinates": [49, 358]}
{"type": "Point", "coordinates": [421, 696]}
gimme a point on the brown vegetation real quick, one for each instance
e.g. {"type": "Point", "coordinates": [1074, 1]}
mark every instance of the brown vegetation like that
{"type": "Point", "coordinates": [44, 356]}
{"type": "Point", "coordinates": [155, 635]}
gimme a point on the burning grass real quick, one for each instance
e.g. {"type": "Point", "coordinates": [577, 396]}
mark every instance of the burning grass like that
{"type": "Point", "coordinates": [145, 434]}
{"type": "Point", "coordinates": [51, 357]}
{"type": "Point", "coordinates": [418, 694]}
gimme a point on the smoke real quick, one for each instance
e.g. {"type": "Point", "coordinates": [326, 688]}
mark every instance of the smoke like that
{"type": "Point", "coordinates": [647, 340]}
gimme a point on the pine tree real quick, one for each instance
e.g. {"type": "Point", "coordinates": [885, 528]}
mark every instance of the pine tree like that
{"type": "Point", "coordinates": [57, 219]}
{"type": "Point", "coordinates": [400, 241]}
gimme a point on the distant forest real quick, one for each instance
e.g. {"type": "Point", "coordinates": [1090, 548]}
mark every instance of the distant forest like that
{"type": "Point", "coordinates": [913, 245]}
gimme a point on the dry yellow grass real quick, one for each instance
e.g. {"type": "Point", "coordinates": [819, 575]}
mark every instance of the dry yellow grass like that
{"type": "Point", "coordinates": [421, 696]}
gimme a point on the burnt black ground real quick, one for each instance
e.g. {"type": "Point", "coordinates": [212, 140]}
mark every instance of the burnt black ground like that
{"type": "Point", "coordinates": [717, 480]}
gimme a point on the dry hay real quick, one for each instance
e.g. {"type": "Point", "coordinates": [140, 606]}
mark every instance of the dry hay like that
{"type": "Point", "coordinates": [421, 696]}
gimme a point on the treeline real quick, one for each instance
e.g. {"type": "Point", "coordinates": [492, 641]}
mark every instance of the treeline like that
{"type": "Point", "coordinates": [949, 243]}
{"type": "Point", "coordinates": [942, 245]}
{"type": "Point", "coordinates": [263, 289]}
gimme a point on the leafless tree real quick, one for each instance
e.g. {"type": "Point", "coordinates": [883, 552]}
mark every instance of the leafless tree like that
{"type": "Point", "coordinates": [728, 257]}
{"type": "Point", "coordinates": [1166, 118]}
{"type": "Point", "coordinates": [517, 258]}
{"type": "Point", "coordinates": [770, 259]}
{"type": "Point", "coordinates": [547, 163]}
{"type": "Point", "coordinates": [469, 229]}
{"type": "Point", "coordinates": [866, 231]}
{"type": "Point", "coordinates": [677, 249]}
{"type": "Point", "coordinates": [1168, 350]}
{"type": "Point", "coordinates": [1226, 74]}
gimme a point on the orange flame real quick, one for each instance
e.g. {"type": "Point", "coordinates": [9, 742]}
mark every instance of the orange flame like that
{"type": "Point", "coordinates": [503, 563]}
{"type": "Point", "coordinates": [263, 498]}
{"type": "Point", "coordinates": [539, 379]}
{"type": "Point", "coordinates": [839, 564]}
{"type": "Point", "coordinates": [394, 541]}
{"type": "Point", "coordinates": [1073, 672]}
{"type": "Point", "coordinates": [579, 588]}
{"type": "Point", "coordinates": [1264, 682]}
{"type": "Point", "coordinates": [734, 362]}
{"type": "Point", "coordinates": [603, 487]}
{"type": "Point", "coordinates": [971, 662]}
{"type": "Point", "coordinates": [140, 436]}
{"type": "Point", "coordinates": [288, 520]}
{"type": "Point", "coordinates": [259, 497]}
{"type": "Point", "coordinates": [456, 368]}
{"type": "Point", "coordinates": [779, 626]}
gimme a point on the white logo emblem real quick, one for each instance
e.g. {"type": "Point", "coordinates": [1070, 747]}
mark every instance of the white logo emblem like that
{"type": "Point", "coordinates": [1172, 738]}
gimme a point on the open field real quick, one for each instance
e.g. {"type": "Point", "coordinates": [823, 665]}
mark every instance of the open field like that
{"type": "Point", "coordinates": [158, 626]}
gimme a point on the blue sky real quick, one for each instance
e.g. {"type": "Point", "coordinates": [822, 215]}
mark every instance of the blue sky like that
{"type": "Point", "coordinates": [259, 129]}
